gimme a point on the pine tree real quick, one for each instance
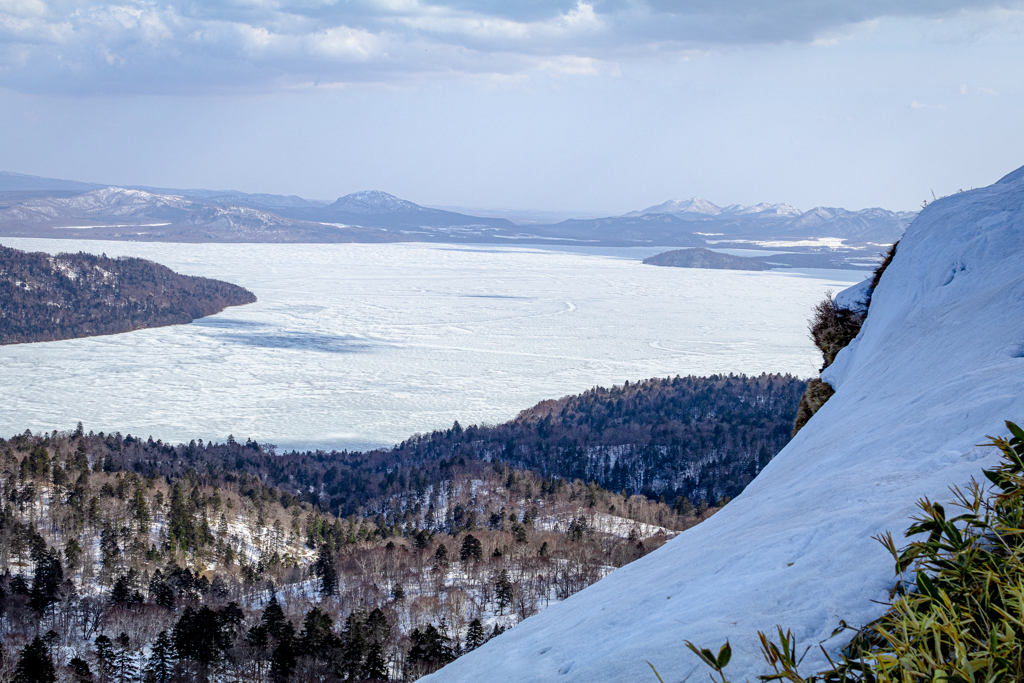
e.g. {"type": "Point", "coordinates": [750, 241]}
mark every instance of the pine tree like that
{"type": "Point", "coordinates": [503, 591]}
{"type": "Point", "coordinates": [125, 668]}
{"type": "Point", "coordinates": [377, 631]}
{"type": "Point", "coordinates": [35, 665]}
{"type": "Point", "coordinates": [80, 672]}
{"type": "Point", "coordinates": [430, 651]}
{"type": "Point", "coordinates": [317, 637]}
{"type": "Point", "coordinates": [475, 636]}
{"type": "Point", "coordinates": [353, 645]}
{"type": "Point", "coordinates": [104, 658]}
{"type": "Point", "coordinates": [48, 577]}
{"type": "Point", "coordinates": [160, 667]}
{"type": "Point", "coordinates": [471, 548]}
{"type": "Point", "coordinates": [325, 569]}
{"type": "Point", "coordinates": [273, 619]}
{"type": "Point", "coordinates": [285, 656]}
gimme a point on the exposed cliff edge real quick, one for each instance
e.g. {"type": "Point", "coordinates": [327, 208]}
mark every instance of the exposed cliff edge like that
{"type": "Point", "coordinates": [937, 365]}
{"type": "Point", "coordinates": [46, 298]}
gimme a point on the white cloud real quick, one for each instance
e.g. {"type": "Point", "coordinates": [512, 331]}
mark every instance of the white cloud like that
{"type": "Point", "coordinates": [142, 46]}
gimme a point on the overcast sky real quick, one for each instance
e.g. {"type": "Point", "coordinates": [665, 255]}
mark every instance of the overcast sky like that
{"type": "Point", "coordinates": [602, 107]}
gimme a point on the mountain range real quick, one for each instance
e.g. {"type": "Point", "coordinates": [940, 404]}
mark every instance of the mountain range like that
{"type": "Point", "coordinates": [32, 206]}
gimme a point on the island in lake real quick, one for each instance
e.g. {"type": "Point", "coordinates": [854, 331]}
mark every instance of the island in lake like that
{"type": "Point", "coordinates": [705, 258]}
{"type": "Point", "coordinates": [46, 298]}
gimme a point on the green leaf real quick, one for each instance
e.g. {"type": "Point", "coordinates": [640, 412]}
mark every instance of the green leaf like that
{"type": "Point", "coordinates": [724, 655]}
{"type": "Point", "coordinates": [1015, 430]}
{"type": "Point", "coordinates": [705, 655]}
{"type": "Point", "coordinates": [926, 587]}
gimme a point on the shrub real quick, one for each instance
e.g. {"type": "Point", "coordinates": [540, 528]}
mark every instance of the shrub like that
{"type": "Point", "coordinates": [833, 327]}
{"type": "Point", "coordinates": [961, 617]}
{"type": "Point", "coordinates": [814, 398]}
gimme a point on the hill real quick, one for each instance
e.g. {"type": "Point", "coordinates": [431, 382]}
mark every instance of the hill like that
{"type": "Point", "coordinates": [686, 439]}
{"type": "Point", "coordinates": [704, 258]}
{"type": "Point", "coordinates": [44, 207]}
{"type": "Point", "coordinates": [936, 367]}
{"type": "Point", "coordinates": [45, 298]}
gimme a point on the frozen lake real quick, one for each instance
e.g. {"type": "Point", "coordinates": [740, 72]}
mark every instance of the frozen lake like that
{"type": "Point", "coordinates": [360, 345]}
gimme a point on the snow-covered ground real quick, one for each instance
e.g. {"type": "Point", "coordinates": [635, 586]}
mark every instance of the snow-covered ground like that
{"type": "Point", "coordinates": [938, 365]}
{"type": "Point", "coordinates": [355, 345]}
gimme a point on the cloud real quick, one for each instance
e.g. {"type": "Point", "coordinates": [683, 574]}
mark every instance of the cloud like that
{"type": "Point", "coordinates": [140, 46]}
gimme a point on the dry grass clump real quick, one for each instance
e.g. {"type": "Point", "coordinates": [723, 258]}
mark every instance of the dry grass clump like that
{"type": "Point", "coordinates": [833, 327]}
{"type": "Point", "coordinates": [814, 398]}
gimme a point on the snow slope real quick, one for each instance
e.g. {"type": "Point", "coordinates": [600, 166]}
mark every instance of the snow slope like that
{"type": "Point", "coordinates": [938, 365]}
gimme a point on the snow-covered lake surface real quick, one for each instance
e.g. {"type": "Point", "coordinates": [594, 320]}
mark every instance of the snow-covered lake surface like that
{"type": "Point", "coordinates": [351, 346]}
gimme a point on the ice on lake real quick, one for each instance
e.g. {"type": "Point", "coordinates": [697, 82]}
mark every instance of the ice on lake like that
{"type": "Point", "coordinates": [358, 345]}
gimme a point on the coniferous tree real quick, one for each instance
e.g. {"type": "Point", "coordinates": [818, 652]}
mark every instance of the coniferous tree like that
{"type": "Point", "coordinates": [79, 670]}
{"type": "Point", "coordinates": [326, 571]}
{"type": "Point", "coordinates": [317, 635]}
{"type": "Point", "coordinates": [353, 651]}
{"type": "Point", "coordinates": [471, 548]}
{"type": "Point", "coordinates": [125, 668]}
{"type": "Point", "coordinates": [475, 636]}
{"type": "Point", "coordinates": [377, 631]}
{"type": "Point", "coordinates": [503, 591]}
{"type": "Point", "coordinates": [47, 581]}
{"type": "Point", "coordinates": [104, 658]}
{"type": "Point", "coordinates": [286, 655]}
{"type": "Point", "coordinates": [273, 619]}
{"type": "Point", "coordinates": [430, 651]}
{"type": "Point", "coordinates": [35, 664]}
{"type": "Point", "coordinates": [160, 667]}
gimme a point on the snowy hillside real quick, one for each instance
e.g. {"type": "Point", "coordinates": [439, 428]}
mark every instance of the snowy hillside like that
{"type": "Point", "coordinates": [938, 365]}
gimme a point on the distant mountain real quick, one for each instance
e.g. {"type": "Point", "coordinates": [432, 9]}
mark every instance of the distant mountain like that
{"type": "Point", "coordinates": [783, 220]}
{"type": "Point", "coordinates": [382, 210]}
{"type": "Point", "coordinates": [696, 205]}
{"type": "Point", "coordinates": [31, 206]}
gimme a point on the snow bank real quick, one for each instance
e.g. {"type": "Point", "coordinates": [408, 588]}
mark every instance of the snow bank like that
{"type": "Point", "coordinates": [938, 365]}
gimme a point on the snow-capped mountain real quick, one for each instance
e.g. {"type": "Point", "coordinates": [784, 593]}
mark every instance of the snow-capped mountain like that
{"type": "Point", "coordinates": [372, 202]}
{"type": "Point", "coordinates": [33, 206]}
{"type": "Point", "coordinates": [696, 205]}
{"type": "Point", "coordinates": [779, 220]}
{"type": "Point", "coordinates": [937, 366]}
{"type": "Point", "coordinates": [763, 210]}
{"type": "Point", "coordinates": [108, 203]}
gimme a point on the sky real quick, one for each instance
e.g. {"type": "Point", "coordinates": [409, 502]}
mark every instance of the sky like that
{"type": "Point", "coordinates": [601, 107]}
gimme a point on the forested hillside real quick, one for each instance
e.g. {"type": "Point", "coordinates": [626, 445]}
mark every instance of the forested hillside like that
{"type": "Point", "coordinates": [129, 560]}
{"type": "Point", "coordinates": [45, 298]}
{"type": "Point", "coordinates": [137, 560]}
{"type": "Point", "coordinates": [692, 437]}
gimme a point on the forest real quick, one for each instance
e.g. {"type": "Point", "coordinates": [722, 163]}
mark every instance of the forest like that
{"type": "Point", "coordinates": [116, 573]}
{"type": "Point", "coordinates": [128, 559]}
{"type": "Point", "coordinates": [46, 298]}
{"type": "Point", "coordinates": [690, 437]}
